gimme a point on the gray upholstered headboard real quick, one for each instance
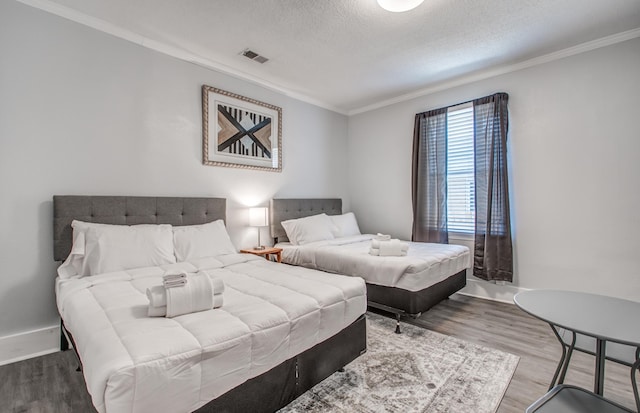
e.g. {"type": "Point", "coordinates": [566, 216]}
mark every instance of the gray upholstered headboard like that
{"type": "Point", "coordinates": [128, 210]}
{"type": "Point", "coordinates": [292, 208]}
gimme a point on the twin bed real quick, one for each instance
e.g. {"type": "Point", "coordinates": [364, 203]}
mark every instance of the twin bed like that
{"type": "Point", "coordinates": [281, 330]}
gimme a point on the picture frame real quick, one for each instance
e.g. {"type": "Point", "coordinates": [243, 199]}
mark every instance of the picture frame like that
{"type": "Point", "coordinates": [240, 132]}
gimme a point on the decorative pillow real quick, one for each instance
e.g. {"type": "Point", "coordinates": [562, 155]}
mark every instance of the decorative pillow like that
{"type": "Point", "coordinates": [346, 225]}
{"type": "Point", "coordinates": [100, 248]}
{"type": "Point", "coordinates": [199, 241]}
{"type": "Point", "coordinates": [309, 229]}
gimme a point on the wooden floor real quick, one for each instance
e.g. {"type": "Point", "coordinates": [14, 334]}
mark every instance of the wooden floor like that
{"type": "Point", "coordinates": [505, 327]}
{"type": "Point", "coordinates": [51, 384]}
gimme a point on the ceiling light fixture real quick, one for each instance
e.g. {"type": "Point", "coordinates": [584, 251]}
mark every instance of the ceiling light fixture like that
{"type": "Point", "coordinates": [399, 5]}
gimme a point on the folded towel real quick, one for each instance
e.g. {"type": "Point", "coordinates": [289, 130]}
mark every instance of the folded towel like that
{"type": "Point", "coordinates": [196, 295]}
{"type": "Point", "coordinates": [390, 248]}
{"type": "Point", "coordinates": [173, 284]}
{"type": "Point", "coordinates": [382, 237]}
{"type": "Point", "coordinates": [376, 251]}
{"type": "Point", "coordinates": [157, 294]}
{"type": "Point", "coordinates": [171, 280]}
{"type": "Point", "coordinates": [171, 276]}
{"type": "Point", "coordinates": [162, 310]}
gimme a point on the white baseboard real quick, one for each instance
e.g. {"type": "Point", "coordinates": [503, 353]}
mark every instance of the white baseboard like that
{"type": "Point", "coordinates": [30, 344]}
{"type": "Point", "coordinates": [496, 292]}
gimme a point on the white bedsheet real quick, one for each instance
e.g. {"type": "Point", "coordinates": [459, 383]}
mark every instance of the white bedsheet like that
{"type": "Point", "coordinates": [425, 264]}
{"type": "Point", "coordinates": [134, 363]}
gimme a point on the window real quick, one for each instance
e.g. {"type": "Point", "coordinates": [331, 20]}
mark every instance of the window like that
{"type": "Point", "coordinates": [459, 181]}
{"type": "Point", "coordinates": [460, 169]}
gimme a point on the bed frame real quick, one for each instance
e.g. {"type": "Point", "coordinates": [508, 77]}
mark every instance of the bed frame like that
{"type": "Point", "coordinates": [267, 392]}
{"type": "Point", "coordinates": [395, 300]}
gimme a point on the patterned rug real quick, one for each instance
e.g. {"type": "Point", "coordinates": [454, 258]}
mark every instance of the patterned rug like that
{"type": "Point", "coordinates": [416, 371]}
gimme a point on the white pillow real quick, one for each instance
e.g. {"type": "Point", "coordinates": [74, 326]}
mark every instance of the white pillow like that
{"type": "Point", "coordinates": [199, 241]}
{"type": "Point", "coordinates": [72, 266]}
{"type": "Point", "coordinates": [309, 229]}
{"type": "Point", "coordinates": [100, 248]}
{"type": "Point", "coordinates": [346, 225]}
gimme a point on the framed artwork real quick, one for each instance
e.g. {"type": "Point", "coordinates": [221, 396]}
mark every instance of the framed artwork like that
{"type": "Point", "coordinates": [240, 132]}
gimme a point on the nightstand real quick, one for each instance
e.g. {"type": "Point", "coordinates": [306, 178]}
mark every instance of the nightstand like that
{"type": "Point", "coordinates": [266, 253]}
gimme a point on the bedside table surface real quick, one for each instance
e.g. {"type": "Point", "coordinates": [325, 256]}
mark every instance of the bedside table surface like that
{"type": "Point", "coordinates": [267, 250]}
{"type": "Point", "coordinates": [266, 253]}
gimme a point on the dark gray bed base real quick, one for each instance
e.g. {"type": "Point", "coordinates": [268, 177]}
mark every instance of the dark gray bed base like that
{"type": "Point", "coordinates": [402, 302]}
{"type": "Point", "coordinates": [281, 385]}
{"type": "Point", "coordinates": [265, 393]}
{"type": "Point", "coordinates": [398, 301]}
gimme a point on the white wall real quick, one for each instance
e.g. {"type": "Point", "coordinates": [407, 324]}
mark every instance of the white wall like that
{"type": "Point", "coordinates": [82, 112]}
{"type": "Point", "coordinates": [575, 169]}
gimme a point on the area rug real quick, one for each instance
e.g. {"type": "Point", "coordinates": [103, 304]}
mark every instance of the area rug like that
{"type": "Point", "coordinates": [416, 371]}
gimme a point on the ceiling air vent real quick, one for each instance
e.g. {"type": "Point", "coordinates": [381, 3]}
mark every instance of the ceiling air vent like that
{"type": "Point", "coordinates": [254, 56]}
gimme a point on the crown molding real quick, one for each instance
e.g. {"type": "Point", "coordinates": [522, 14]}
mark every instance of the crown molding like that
{"type": "Point", "coordinates": [176, 52]}
{"type": "Point", "coordinates": [182, 54]}
{"type": "Point", "coordinates": [500, 70]}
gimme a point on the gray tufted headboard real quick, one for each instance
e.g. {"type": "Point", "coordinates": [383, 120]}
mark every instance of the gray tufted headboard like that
{"type": "Point", "coordinates": [292, 208]}
{"type": "Point", "coordinates": [128, 210]}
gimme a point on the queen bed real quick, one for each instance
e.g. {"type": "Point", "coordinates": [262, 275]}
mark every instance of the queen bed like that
{"type": "Point", "coordinates": [280, 331]}
{"type": "Point", "coordinates": [404, 285]}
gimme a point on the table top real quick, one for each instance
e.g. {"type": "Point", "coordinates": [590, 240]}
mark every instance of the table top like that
{"type": "Point", "coordinates": [266, 250]}
{"type": "Point", "coordinates": [599, 316]}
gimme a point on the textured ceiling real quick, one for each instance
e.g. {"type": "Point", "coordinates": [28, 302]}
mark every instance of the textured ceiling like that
{"type": "Point", "coordinates": [349, 54]}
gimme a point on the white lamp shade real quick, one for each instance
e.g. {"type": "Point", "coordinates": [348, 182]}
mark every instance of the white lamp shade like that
{"type": "Point", "coordinates": [399, 5]}
{"type": "Point", "coordinates": [258, 217]}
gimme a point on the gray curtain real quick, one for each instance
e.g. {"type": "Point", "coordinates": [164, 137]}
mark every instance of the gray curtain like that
{"type": "Point", "coordinates": [429, 177]}
{"type": "Point", "coordinates": [493, 257]}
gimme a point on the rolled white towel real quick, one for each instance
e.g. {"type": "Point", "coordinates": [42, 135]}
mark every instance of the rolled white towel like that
{"type": "Point", "coordinates": [378, 243]}
{"type": "Point", "coordinates": [393, 247]}
{"type": "Point", "coordinates": [161, 311]}
{"type": "Point", "coordinates": [218, 284]}
{"type": "Point", "coordinates": [157, 294]}
{"type": "Point", "coordinates": [196, 295]}
{"type": "Point", "coordinates": [390, 248]}
{"type": "Point", "coordinates": [157, 311]}
{"type": "Point", "coordinates": [382, 237]}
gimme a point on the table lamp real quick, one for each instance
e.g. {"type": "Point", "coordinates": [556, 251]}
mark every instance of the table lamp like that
{"type": "Point", "coordinates": [258, 217]}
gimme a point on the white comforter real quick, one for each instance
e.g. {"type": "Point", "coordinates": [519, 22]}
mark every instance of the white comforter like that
{"type": "Point", "coordinates": [425, 264]}
{"type": "Point", "coordinates": [134, 363]}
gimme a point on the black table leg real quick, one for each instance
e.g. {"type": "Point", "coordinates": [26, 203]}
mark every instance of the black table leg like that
{"type": "Point", "coordinates": [563, 364]}
{"type": "Point", "coordinates": [634, 384]}
{"type": "Point", "coordinates": [600, 358]}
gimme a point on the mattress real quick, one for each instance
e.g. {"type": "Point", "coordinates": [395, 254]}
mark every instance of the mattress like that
{"type": "Point", "coordinates": [134, 363]}
{"type": "Point", "coordinates": [424, 265]}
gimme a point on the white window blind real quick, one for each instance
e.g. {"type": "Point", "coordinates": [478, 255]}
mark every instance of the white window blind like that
{"type": "Point", "coordinates": [460, 169]}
